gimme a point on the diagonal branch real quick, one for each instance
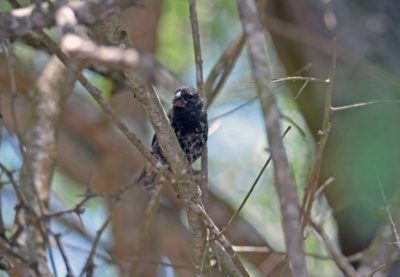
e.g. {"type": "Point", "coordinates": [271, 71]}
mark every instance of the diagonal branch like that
{"type": "Point", "coordinates": [96, 94]}
{"type": "Point", "coordinates": [283, 175]}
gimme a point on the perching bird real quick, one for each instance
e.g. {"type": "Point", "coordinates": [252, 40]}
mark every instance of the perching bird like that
{"type": "Point", "coordinates": [189, 121]}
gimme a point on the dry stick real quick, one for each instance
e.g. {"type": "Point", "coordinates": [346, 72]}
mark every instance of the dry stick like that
{"type": "Point", "coordinates": [309, 195]}
{"type": "Point", "coordinates": [89, 261]}
{"type": "Point", "coordinates": [200, 88]}
{"type": "Point", "coordinates": [234, 216]}
{"type": "Point", "coordinates": [302, 88]}
{"type": "Point", "coordinates": [348, 107]}
{"type": "Point", "coordinates": [300, 78]}
{"type": "Point", "coordinates": [341, 261]}
{"type": "Point", "coordinates": [288, 197]}
{"type": "Point", "coordinates": [323, 186]}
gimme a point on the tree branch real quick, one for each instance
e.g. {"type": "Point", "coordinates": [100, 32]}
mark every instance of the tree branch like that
{"type": "Point", "coordinates": [283, 175]}
{"type": "Point", "coordinates": [36, 17]}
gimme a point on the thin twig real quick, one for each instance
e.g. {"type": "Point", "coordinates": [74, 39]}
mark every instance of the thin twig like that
{"type": "Point", "coordinates": [300, 78]}
{"type": "Point", "coordinates": [302, 69]}
{"type": "Point", "coordinates": [291, 121]}
{"type": "Point", "coordinates": [63, 254]}
{"type": "Point", "coordinates": [89, 260]}
{"type": "Point", "coordinates": [302, 88]}
{"type": "Point", "coordinates": [353, 106]}
{"type": "Point", "coordinates": [382, 266]}
{"type": "Point", "coordinates": [234, 216]}
{"type": "Point", "coordinates": [200, 89]}
{"type": "Point", "coordinates": [197, 47]}
{"type": "Point", "coordinates": [323, 186]}
{"type": "Point", "coordinates": [223, 68]}
{"type": "Point", "coordinates": [234, 109]}
{"type": "Point", "coordinates": [20, 195]}
{"type": "Point", "coordinates": [311, 188]}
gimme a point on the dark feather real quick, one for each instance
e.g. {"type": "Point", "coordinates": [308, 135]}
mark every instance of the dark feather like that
{"type": "Point", "coordinates": [188, 118]}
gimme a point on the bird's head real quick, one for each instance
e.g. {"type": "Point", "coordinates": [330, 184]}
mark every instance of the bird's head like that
{"type": "Point", "coordinates": [187, 99]}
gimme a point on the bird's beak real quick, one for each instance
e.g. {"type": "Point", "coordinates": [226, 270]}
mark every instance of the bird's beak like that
{"type": "Point", "coordinates": [179, 104]}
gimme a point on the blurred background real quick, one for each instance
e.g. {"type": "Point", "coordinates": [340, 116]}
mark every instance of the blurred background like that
{"type": "Point", "coordinates": [362, 150]}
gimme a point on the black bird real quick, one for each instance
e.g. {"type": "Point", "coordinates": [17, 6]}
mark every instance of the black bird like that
{"type": "Point", "coordinates": [188, 118]}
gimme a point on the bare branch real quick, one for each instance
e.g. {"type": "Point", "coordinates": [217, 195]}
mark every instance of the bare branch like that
{"type": "Point", "coordinates": [341, 261]}
{"type": "Point", "coordinates": [234, 109]}
{"type": "Point", "coordinates": [89, 261]}
{"type": "Point", "coordinates": [197, 48]}
{"type": "Point", "coordinates": [39, 159]}
{"type": "Point", "coordinates": [250, 191]}
{"type": "Point", "coordinates": [200, 88]}
{"type": "Point", "coordinates": [311, 188]}
{"type": "Point", "coordinates": [382, 266]}
{"type": "Point", "coordinates": [64, 256]}
{"type": "Point", "coordinates": [223, 68]}
{"type": "Point", "coordinates": [284, 180]}
{"type": "Point", "coordinates": [36, 17]}
{"type": "Point", "coordinates": [353, 106]}
{"type": "Point", "coordinates": [299, 78]}
{"type": "Point", "coordinates": [182, 180]}
{"type": "Point", "coordinates": [106, 58]}
{"type": "Point", "coordinates": [215, 235]}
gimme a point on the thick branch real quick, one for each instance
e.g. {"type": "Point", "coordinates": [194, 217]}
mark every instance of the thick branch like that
{"type": "Point", "coordinates": [36, 17]}
{"type": "Point", "coordinates": [283, 174]}
{"type": "Point", "coordinates": [183, 181]}
{"type": "Point", "coordinates": [108, 58]}
{"type": "Point", "coordinates": [37, 170]}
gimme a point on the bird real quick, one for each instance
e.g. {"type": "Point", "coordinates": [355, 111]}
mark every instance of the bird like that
{"type": "Point", "coordinates": [188, 118]}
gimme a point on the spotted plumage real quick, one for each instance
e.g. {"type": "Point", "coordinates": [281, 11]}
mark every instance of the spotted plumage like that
{"type": "Point", "coordinates": [188, 118]}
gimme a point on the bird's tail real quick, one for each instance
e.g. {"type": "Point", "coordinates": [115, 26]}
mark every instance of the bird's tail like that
{"type": "Point", "coordinates": [146, 177]}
